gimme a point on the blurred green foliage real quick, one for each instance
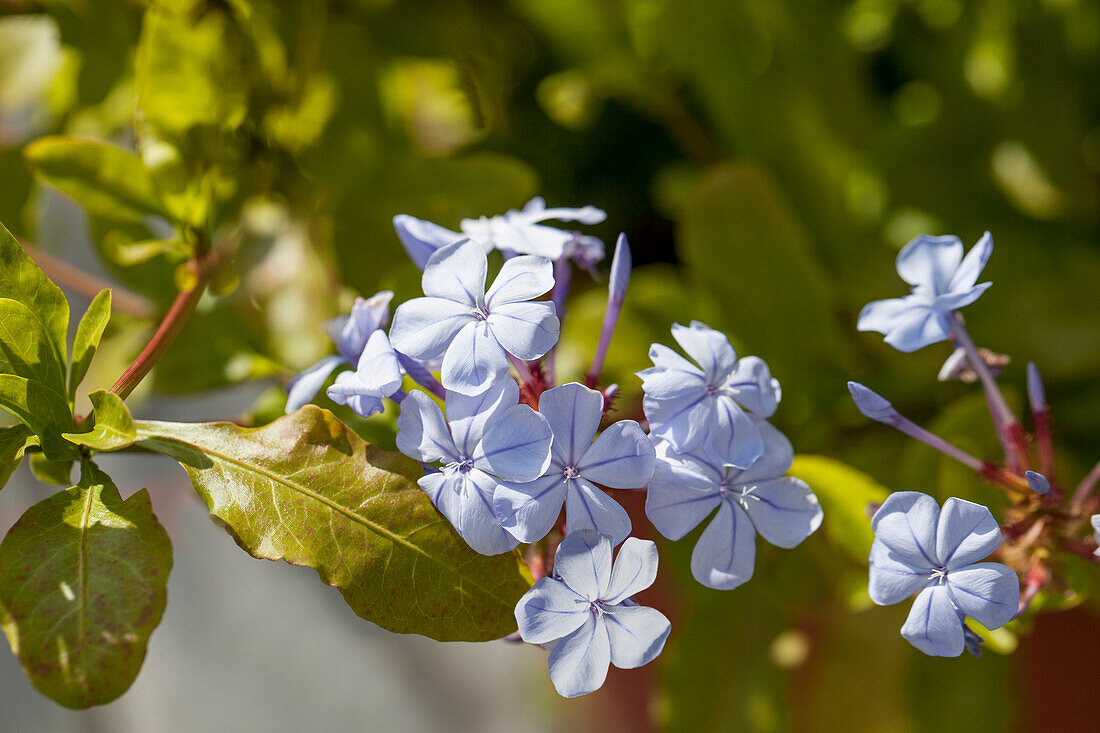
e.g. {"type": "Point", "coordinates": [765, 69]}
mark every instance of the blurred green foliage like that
{"type": "Point", "coordinates": [765, 159]}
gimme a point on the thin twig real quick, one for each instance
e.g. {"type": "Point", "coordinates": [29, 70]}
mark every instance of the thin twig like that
{"type": "Point", "coordinates": [88, 285]}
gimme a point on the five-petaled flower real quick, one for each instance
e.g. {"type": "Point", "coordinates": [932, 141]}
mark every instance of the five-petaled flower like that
{"type": "Point", "coordinates": [688, 405]}
{"type": "Point", "coordinates": [475, 330]}
{"type": "Point", "coordinates": [515, 231]}
{"type": "Point", "coordinates": [483, 439]}
{"type": "Point", "coordinates": [917, 547]}
{"type": "Point", "coordinates": [584, 615]}
{"type": "Point", "coordinates": [622, 457]}
{"type": "Point", "coordinates": [942, 281]}
{"type": "Point", "coordinates": [685, 488]}
{"type": "Point", "coordinates": [351, 334]}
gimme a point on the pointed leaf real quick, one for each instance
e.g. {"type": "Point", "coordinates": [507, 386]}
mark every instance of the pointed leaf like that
{"type": "Point", "coordinates": [88, 333]}
{"type": "Point", "coordinates": [306, 489]}
{"type": "Point", "coordinates": [41, 409]}
{"type": "Point", "coordinates": [13, 441]}
{"type": "Point", "coordinates": [25, 348]}
{"type": "Point", "coordinates": [104, 179]}
{"type": "Point", "coordinates": [20, 279]}
{"type": "Point", "coordinates": [114, 428]}
{"type": "Point", "coordinates": [83, 583]}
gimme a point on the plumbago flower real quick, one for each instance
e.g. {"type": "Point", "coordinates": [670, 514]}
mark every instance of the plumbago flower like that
{"type": "Point", "coordinates": [942, 280]}
{"type": "Point", "coordinates": [622, 457]}
{"type": "Point", "coordinates": [378, 374]}
{"type": "Point", "coordinates": [686, 487]}
{"type": "Point", "coordinates": [351, 335]}
{"type": "Point", "coordinates": [584, 615]}
{"type": "Point", "coordinates": [688, 404]}
{"type": "Point", "coordinates": [483, 440]}
{"type": "Point", "coordinates": [1096, 532]}
{"type": "Point", "coordinates": [919, 549]}
{"type": "Point", "coordinates": [475, 330]}
{"type": "Point", "coordinates": [516, 231]}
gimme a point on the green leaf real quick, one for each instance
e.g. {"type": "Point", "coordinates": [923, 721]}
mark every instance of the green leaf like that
{"type": "Point", "coordinates": [58, 473]}
{"type": "Point", "coordinates": [104, 179]}
{"type": "Point", "coordinates": [25, 348]}
{"type": "Point", "coordinates": [20, 279]}
{"type": "Point", "coordinates": [844, 493]}
{"type": "Point", "coordinates": [114, 428]}
{"type": "Point", "coordinates": [308, 490]}
{"type": "Point", "coordinates": [88, 334]}
{"type": "Point", "coordinates": [13, 441]}
{"type": "Point", "coordinates": [43, 410]}
{"type": "Point", "coordinates": [190, 71]}
{"type": "Point", "coordinates": [83, 583]}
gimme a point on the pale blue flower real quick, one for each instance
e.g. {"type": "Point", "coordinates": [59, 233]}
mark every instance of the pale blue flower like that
{"type": "Point", "coordinates": [350, 334]}
{"type": "Point", "coordinates": [688, 405]}
{"type": "Point", "coordinates": [686, 488]}
{"type": "Point", "coordinates": [1096, 532]}
{"type": "Point", "coordinates": [475, 330]}
{"type": "Point", "coordinates": [520, 232]}
{"type": "Point", "coordinates": [584, 614]}
{"type": "Point", "coordinates": [919, 549]}
{"type": "Point", "coordinates": [1038, 482]}
{"type": "Point", "coordinates": [942, 281]}
{"type": "Point", "coordinates": [621, 458]}
{"type": "Point", "coordinates": [482, 440]}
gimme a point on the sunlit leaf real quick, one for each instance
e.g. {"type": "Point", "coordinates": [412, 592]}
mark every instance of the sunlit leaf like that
{"type": "Point", "coordinates": [20, 279]}
{"type": "Point", "coordinates": [43, 410]}
{"type": "Point", "coordinates": [13, 441]}
{"type": "Point", "coordinates": [308, 490]}
{"type": "Point", "coordinates": [88, 333]}
{"type": "Point", "coordinates": [83, 578]}
{"type": "Point", "coordinates": [114, 428]}
{"type": "Point", "coordinates": [58, 473]}
{"type": "Point", "coordinates": [104, 179]}
{"type": "Point", "coordinates": [845, 494]}
{"type": "Point", "coordinates": [25, 348]}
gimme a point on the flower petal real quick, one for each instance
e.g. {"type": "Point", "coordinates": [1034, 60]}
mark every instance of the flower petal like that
{"type": "Point", "coordinates": [725, 554]}
{"type": "Point", "coordinates": [421, 431]}
{"type": "Point", "coordinates": [424, 327]}
{"type": "Point", "coordinates": [474, 360]}
{"type": "Point", "coordinates": [587, 507]}
{"type": "Point", "coordinates": [528, 510]}
{"type": "Point", "coordinates": [987, 592]}
{"type": "Point", "coordinates": [668, 384]}
{"type": "Point", "coordinates": [682, 421]}
{"type": "Point", "coordinates": [457, 273]}
{"type": "Point", "coordinates": [530, 239]}
{"type": "Point", "coordinates": [516, 446]}
{"type": "Point", "coordinates": [578, 663]}
{"type": "Point", "coordinates": [930, 261]}
{"type": "Point", "coordinates": [583, 562]}
{"type": "Point", "coordinates": [917, 328]}
{"type": "Point", "coordinates": [574, 413]}
{"type": "Point", "coordinates": [305, 385]}
{"type": "Point", "coordinates": [550, 610]}
{"type": "Point", "coordinates": [665, 358]}
{"type": "Point", "coordinates": [906, 523]}
{"type": "Point", "coordinates": [681, 494]}
{"type": "Point", "coordinates": [422, 238]}
{"type": "Point", "coordinates": [527, 330]}
{"type": "Point", "coordinates": [471, 513]}
{"type": "Point", "coordinates": [967, 533]}
{"type": "Point", "coordinates": [634, 570]}
{"type": "Point", "coordinates": [784, 510]}
{"type": "Point", "coordinates": [891, 579]}
{"type": "Point", "coordinates": [954, 301]}
{"type": "Point", "coordinates": [469, 416]}
{"type": "Point", "coordinates": [882, 315]}
{"type": "Point", "coordinates": [966, 275]}
{"type": "Point", "coordinates": [521, 278]}
{"type": "Point", "coordinates": [621, 458]}
{"type": "Point", "coordinates": [378, 373]}
{"type": "Point", "coordinates": [934, 625]}
{"type": "Point", "coordinates": [752, 386]}
{"type": "Point", "coordinates": [637, 635]}
{"type": "Point", "coordinates": [367, 316]}
{"type": "Point", "coordinates": [710, 349]}
{"type": "Point", "coordinates": [776, 459]}
{"type": "Point", "coordinates": [734, 439]}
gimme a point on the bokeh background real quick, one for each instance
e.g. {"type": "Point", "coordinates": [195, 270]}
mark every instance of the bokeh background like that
{"type": "Point", "coordinates": [766, 160]}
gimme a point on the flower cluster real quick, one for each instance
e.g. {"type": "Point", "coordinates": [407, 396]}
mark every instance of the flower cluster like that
{"type": "Point", "coordinates": [511, 458]}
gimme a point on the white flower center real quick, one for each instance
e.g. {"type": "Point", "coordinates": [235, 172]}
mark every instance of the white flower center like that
{"type": "Point", "coordinates": [570, 472]}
